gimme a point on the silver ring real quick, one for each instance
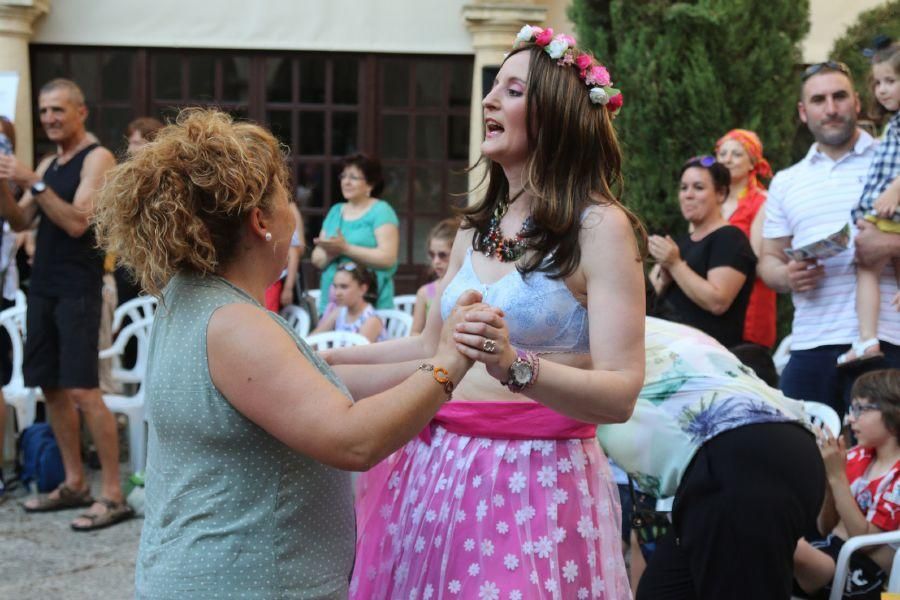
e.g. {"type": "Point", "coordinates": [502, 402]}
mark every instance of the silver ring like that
{"type": "Point", "coordinates": [489, 346]}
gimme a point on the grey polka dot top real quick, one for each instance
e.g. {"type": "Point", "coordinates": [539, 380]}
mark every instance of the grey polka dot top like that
{"type": "Point", "coordinates": [231, 512]}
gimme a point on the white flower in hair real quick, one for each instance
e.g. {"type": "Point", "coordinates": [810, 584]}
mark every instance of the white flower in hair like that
{"type": "Point", "coordinates": [556, 48]}
{"type": "Point", "coordinates": [598, 95]}
{"type": "Point", "coordinates": [525, 34]}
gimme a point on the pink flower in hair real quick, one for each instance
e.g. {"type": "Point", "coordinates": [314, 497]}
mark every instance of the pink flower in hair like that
{"type": "Point", "coordinates": [615, 102]}
{"type": "Point", "coordinates": [597, 75]}
{"type": "Point", "coordinates": [543, 37]}
{"type": "Point", "coordinates": [568, 39]}
{"type": "Point", "coordinates": [567, 59]}
{"type": "Point", "coordinates": [583, 62]}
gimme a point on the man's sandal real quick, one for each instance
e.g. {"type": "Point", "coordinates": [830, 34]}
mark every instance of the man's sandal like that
{"type": "Point", "coordinates": [857, 354]}
{"type": "Point", "coordinates": [116, 512]}
{"type": "Point", "coordinates": [66, 498]}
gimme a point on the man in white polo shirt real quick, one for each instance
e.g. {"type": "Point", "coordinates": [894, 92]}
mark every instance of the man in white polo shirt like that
{"type": "Point", "coordinates": [807, 202]}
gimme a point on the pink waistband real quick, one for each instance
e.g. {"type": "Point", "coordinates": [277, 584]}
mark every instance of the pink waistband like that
{"type": "Point", "coordinates": [507, 421]}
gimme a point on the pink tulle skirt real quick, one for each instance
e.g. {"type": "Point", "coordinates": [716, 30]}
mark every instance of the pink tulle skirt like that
{"type": "Point", "coordinates": [495, 500]}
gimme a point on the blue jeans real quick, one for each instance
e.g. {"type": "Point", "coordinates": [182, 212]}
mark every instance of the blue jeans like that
{"type": "Point", "coordinates": [813, 375]}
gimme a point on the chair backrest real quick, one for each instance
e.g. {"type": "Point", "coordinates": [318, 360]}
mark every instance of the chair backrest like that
{"type": "Point", "coordinates": [315, 295]}
{"type": "Point", "coordinates": [13, 320]}
{"type": "Point", "coordinates": [335, 339]}
{"type": "Point", "coordinates": [406, 303]}
{"type": "Point", "coordinates": [135, 309]}
{"type": "Point", "coordinates": [862, 541]}
{"type": "Point", "coordinates": [782, 354]}
{"type": "Point", "coordinates": [297, 318]}
{"type": "Point", "coordinates": [140, 331]}
{"type": "Point", "coordinates": [397, 323]}
{"type": "Point", "coordinates": [823, 415]}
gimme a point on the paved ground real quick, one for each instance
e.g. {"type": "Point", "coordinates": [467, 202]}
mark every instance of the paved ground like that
{"type": "Point", "coordinates": [40, 557]}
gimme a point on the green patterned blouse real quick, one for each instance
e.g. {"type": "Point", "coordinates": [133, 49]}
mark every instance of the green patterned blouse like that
{"type": "Point", "coordinates": [231, 512]}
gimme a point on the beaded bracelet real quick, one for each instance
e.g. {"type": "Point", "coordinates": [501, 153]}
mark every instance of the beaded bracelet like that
{"type": "Point", "coordinates": [441, 375]}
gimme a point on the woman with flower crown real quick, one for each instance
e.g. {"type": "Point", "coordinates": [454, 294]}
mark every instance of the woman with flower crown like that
{"type": "Point", "coordinates": [507, 493]}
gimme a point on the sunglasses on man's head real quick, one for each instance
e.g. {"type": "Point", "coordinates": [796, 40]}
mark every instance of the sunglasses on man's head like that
{"type": "Point", "coordinates": [705, 161]}
{"type": "Point", "coordinates": [831, 65]}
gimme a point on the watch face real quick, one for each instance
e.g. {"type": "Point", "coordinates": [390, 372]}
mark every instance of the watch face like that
{"type": "Point", "coordinates": [520, 372]}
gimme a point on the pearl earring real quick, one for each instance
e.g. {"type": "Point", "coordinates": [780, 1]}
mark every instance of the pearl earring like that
{"type": "Point", "coordinates": [268, 236]}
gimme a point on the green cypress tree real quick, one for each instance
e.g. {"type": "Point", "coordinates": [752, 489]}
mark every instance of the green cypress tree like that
{"type": "Point", "coordinates": [690, 71]}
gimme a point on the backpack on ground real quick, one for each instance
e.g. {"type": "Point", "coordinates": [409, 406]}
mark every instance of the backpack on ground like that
{"type": "Point", "coordinates": [40, 459]}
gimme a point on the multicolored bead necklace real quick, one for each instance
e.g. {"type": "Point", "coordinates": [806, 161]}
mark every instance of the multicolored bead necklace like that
{"type": "Point", "coordinates": [505, 249]}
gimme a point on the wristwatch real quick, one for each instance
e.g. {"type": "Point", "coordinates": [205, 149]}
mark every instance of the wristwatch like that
{"type": "Point", "coordinates": [38, 188]}
{"type": "Point", "coordinates": [521, 372]}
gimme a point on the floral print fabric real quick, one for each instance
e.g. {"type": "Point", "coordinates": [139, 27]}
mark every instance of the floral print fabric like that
{"type": "Point", "coordinates": [492, 519]}
{"type": "Point", "coordinates": [694, 389]}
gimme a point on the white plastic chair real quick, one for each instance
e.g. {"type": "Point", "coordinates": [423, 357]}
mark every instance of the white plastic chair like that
{"type": "Point", "coordinates": [406, 303]}
{"type": "Point", "coordinates": [21, 298]}
{"type": "Point", "coordinates": [852, 545]}
{"type": "Point", "coordinates": [22, 399]}
{"type": "Point", "coordinates": [132, 406]}
{"type": "Point", "coordinates": [297, 318]}
{"type": "Point", "coordinates": [135, 309]}
{"type": "Point", "coordinates": [823, 415]}
{"type": "Point", "coordinates": [315, 295]}
{"type": "Point", "coordinates": [782, 354]}
{"type": "Point", "coordinates": [397, 323]}
{"type": "Point", "coordinates": [335, 339]}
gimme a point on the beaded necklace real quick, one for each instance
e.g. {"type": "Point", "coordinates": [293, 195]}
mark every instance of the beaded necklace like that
{"type": "Point", "coordinates": [501, 248]}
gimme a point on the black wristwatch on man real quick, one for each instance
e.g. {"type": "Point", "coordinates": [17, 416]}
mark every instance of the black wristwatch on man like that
{"type": "Point", "coordinates": [38, 188]}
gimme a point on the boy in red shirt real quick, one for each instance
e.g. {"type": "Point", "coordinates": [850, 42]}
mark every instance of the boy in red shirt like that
{"type": "Point", "coordinates": [863, 493]}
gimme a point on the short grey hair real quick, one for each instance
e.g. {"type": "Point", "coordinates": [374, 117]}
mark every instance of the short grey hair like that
{"type": "Point", "coordinates": [75, 93]}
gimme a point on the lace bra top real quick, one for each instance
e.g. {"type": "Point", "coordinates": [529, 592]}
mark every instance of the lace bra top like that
{"type": "Point", "coordinates": [541, 313]}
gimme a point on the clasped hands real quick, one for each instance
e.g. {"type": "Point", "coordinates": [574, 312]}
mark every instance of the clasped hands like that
{"type": "Point", "coordinates": [478, 331]}
{"type": "Point", "coordinates": [333, 246]}
{"type": "Point", "coordinates": [664, 250]}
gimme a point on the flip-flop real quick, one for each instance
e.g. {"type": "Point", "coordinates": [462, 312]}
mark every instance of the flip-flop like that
{"type": "Point", "coordinates": [116, 512]}
{"type": "Point", "coordinates": [859, 348]}
{"type": "Point", "coordinates": [68, 498]}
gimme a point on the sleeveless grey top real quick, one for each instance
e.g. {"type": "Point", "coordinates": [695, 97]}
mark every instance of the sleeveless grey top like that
{"type": "Point", "coordinates": [230, 511]}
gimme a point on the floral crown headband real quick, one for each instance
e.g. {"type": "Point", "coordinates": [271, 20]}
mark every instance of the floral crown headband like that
{"type": "Point", "coordinates": [561, 48]}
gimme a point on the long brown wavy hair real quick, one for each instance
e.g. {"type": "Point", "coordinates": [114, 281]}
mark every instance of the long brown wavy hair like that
{"type": "Point", "coordinates": [179, 204]}
{"type": "Point", "coordinates": [575, 161]}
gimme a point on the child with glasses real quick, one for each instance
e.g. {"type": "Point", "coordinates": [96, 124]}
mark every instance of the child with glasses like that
{"type": "Point", "coordinates": [863, 492]}
{"type": "Point", "coordinates": [440, 242]}
{"type": "Point", "coordinates": [354, 291]}
{"type": "Point", "coordinates": [878, 204]}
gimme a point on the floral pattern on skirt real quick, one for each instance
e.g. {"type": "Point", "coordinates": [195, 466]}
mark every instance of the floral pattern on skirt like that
{"type": "Point", "coordinates": [492, 519]}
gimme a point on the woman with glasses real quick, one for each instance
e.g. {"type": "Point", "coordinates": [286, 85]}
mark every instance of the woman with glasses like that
{"type": "Point", "coordinates": [363, 229]}
{"type": "Point", "coordinates": [704, 277]}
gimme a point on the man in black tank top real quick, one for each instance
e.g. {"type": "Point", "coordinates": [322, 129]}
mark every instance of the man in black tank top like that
{"type": "Point", "coordinates": [64, 299]}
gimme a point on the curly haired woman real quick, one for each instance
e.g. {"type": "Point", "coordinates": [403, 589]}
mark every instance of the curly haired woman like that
{"type": "Point", "coordinates": [248, 427]}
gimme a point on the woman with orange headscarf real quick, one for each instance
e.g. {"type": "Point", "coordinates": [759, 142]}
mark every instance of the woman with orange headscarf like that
{"type": "Point", "coordinates": [742, 152]}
